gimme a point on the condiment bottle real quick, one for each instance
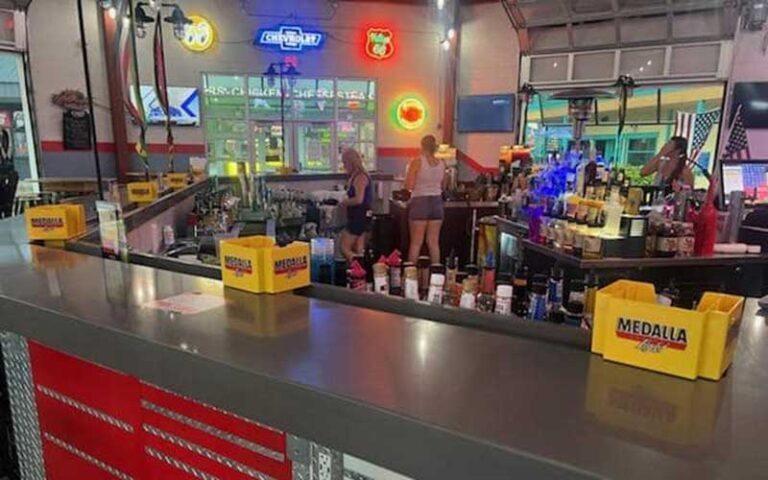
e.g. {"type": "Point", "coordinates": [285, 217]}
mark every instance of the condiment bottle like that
{"type": "Point", "coordinates": [423, 269]}
{"type": "Point", "coordinates": [666, 241]}
{"type": "Point", "coordinates": [411, 283]}
{"type": "Point", "coordinates": [473, 273]}
{"type": "Point", "coordinates": [503, 298]}
{"type": "Point", "coordinates": [686, 240]}
{"type": "Point", "coordinates": [356, 277]}
{"type": "Point", "coordinates": [395, 273]}
{"type": "Point", "coordinates": [469, 286]}
{"type": "Point", "coordinates": [380, 277]}
{"type": "Point", "coordinates": [452, 268]}
{"type": "Point", "coordinates": [436, 284]}
{"type": "Point", "coordinates": [457, 289]}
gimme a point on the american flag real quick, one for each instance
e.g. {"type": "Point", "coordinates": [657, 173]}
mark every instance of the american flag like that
{"type": "Point", "coordinates": [695, 127]}
{"type": "Point", "coordinates": [737, 147]}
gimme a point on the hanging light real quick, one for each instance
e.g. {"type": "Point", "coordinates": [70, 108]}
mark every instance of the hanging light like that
{"type": "Point", "coordinates": [451, 33]}
{"type": "Point", "coordinates": [271, 73]}
{"type": "Point", "coordinates": [179, 21]}
{"type": "Point", "coordinates": [292, 73]}
{"type": "Point", "coordinates": [142, 19]}
{"type": "Point", "coordinates": [440, 4]}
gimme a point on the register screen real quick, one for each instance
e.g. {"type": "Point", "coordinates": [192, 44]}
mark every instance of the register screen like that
{"type": "Point", "coordinates": [748, 177]}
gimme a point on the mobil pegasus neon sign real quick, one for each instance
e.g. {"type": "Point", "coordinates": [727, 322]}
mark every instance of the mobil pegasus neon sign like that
{"type": "Point", "coordinates": [289, 38]}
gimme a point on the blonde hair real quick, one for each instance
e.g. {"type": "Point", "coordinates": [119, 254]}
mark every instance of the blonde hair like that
{"type": "Point", "coordinates": [429, 144]}
{"type": "Point", "coordinates": [354, 159]}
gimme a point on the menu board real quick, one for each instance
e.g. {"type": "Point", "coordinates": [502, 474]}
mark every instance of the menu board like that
{"type": "Point", "coordinates": [77, 131]}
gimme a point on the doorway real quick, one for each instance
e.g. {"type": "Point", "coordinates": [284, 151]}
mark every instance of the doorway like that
{"type": "Point", "coordinates": [16, 118]}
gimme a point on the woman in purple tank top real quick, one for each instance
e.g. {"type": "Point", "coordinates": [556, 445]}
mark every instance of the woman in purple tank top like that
{"type": "Point", "coordinates": [358, 204]}
{"type": "Point", "coordinates": [425, 179]}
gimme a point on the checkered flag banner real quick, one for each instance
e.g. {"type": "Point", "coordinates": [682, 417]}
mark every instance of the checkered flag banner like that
{"type": "Point", "coordinates": [737, 147]}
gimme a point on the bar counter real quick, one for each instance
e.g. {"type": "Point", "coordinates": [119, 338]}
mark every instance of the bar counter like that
{"type": "Point", "coordinates": [424, 399]}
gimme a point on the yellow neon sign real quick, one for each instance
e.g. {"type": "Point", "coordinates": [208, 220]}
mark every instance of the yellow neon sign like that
{"type": "Point", "coordinates": [200, 35]}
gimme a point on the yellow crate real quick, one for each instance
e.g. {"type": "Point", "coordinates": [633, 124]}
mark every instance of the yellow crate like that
{"type": "Point", "coordinates": [631, 328]}
{"type": "Point", "coordinates": [255, 264]}
{"type": "Point", "coordinates": [55, 222]}
{"type": "Point", "coordinates": [176, 181]}
{"type": "Point", "coordinates": [286, 268]}
{"type": "Point", "coordinates": [142, 192]}
{"type": "Point", "coordinates": [242, 261]}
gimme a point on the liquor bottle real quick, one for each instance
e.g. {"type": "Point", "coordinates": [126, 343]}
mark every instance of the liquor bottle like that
{"type": "Point", "coordinates": [555, 292]}
{"type": "Point", "coordinates": [613, 211]}
{"type": "Point", "coordinates": [368, 261]}
{"type": "Point", "coordinates": [520, 292]}
{"type": "Point", "coordinates": [537, 299]}
{"type": "Point", "coordinates": [573, 313]}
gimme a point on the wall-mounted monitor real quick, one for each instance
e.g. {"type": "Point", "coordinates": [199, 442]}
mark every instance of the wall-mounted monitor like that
{"type": "Point", "coordinates": [185, 106]}
{"type": "Point", "coordinates": [753, 98]}
{"type": "Point", "coordinates": [486, 113]}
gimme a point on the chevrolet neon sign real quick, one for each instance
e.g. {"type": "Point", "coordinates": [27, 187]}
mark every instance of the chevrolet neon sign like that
{"type": "Point", "coordinates": [289, 38]}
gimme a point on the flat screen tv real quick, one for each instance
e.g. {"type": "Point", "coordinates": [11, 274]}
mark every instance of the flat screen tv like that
{"type": "Point", "coordinates": [486, 113]}
{"type": "Point", "coordinates": [753, 97]}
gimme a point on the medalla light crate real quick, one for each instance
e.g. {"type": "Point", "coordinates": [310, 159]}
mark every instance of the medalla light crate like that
{"type": "Point", "coordinates": [257, 265]}
{"type": "Point", "coordinates": [143, 192]}
{"type": "Point", "coordinates": [55, 222]}
{"type": "Point", "coordinates": [631, 328]}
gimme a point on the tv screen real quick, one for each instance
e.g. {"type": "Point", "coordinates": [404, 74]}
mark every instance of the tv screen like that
{"type": "Point", "coordinates": [753, 97]}
{"type": "Point", "coordinates": [486, 113]}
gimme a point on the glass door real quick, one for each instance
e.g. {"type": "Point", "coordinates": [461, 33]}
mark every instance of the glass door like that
{"type": "Point", "coordinates": [16, 118]}
{"type": "Point", "coordinates": [267, 140]}
{"type": "Point", "coordinates": [314, 146]}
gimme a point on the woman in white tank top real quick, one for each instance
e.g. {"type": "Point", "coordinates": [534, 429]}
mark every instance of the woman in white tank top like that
{"type": "Point", "coordinates": [425, 179]}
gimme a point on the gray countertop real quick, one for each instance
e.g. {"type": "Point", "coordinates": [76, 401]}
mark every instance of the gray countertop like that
{"type": "Point", "coordinates": [425, 399]}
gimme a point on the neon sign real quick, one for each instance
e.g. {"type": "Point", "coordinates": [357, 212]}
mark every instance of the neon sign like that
{"type": "Point", "coordinates": [379, 43]}
{"type": "Point", "coordinates": [289, 38]}
{"type": "Point", "coordinates": [411, 113]}
{"type": "Point", "coordinates": [199, 35]}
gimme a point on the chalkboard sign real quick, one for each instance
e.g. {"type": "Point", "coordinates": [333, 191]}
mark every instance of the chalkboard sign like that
{"type": "Point", "coordinates": [77, 130]}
